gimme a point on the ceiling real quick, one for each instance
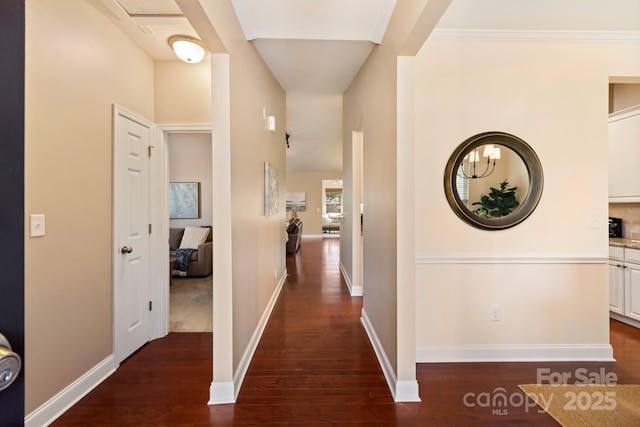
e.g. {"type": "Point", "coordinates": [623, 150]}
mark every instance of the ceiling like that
{"type": "Point", "coordinates": [314, 48]}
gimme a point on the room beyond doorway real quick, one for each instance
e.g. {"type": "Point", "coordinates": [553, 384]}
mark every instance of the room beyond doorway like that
{"type": "Point", "coordinates": [190, 168]}
{"type": "Point", "coordinates": [332, 208]}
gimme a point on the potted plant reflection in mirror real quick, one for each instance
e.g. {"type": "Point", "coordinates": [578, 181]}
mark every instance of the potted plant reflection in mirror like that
{"type": "Point", "coordinates": [499, 202]}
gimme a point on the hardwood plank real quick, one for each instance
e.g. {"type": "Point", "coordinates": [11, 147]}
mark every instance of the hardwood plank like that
{"type": "Point", "coordinates": [314, 366]}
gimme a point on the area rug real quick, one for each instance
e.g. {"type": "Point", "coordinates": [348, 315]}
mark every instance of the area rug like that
{"type": "Point", "coordinates": [191, 304]}
{"type": "Point", "coordinates": [588, 405]}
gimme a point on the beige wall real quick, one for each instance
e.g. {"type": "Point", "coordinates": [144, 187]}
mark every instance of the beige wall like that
{"type": "Point", "coordinates": [257, 241]}
{"type": "Point", "coordinates": [310, 183]}
{"type": "Point", "coordinates": [77, 65]}
{"type": "Point", "coordinates": [190, 161]}
{"type": "Point", "coordinates": [370, 106]}
{"type": "Point", "coordinates": [556, 293]}
{"type": "Point", "coordinates": [182, 92]}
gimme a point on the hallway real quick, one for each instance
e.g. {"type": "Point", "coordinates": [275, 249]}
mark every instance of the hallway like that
{"type": "Point", "coordinates": [315, 366]}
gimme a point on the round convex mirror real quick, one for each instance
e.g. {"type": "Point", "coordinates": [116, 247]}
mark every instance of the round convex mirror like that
{"type": "Point", "coordinates": [493, 181]}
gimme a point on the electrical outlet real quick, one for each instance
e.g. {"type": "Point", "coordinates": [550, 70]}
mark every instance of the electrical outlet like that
{"type": "Point", "coordinates": [495, 313]}
{"type": "Point", "coordinates": [275, 273]}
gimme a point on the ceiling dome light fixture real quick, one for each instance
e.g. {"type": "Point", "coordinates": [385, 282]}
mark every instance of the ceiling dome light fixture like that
{"type": "Point", "coordinates": [188, 49]}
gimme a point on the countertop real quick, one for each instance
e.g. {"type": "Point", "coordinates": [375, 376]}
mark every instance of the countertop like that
{"type": "Point", "coordinates": [625, 243]}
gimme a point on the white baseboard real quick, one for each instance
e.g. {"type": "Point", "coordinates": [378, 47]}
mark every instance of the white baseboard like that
{"type": "Point", "coordinates": [221, 392]}
{"type": "Point", "coordinates": [624, 319]}
{"type": "Point", "coordinates": [508, 353]}
{"type": "Point", "coordinates": [61, 402]}
{"type": "Point", "coordinates": [402, 391]}
{"type": "Point", "coordinates": [331, 236]}
{"type": "Point", "coordinates": [312, 236]}
{"type": "Point", "coordinates": [226, 391]}
{"type": "Point", "coordinates": [354, 291]}
{"type": "Point", "coordinates": [407, 391]}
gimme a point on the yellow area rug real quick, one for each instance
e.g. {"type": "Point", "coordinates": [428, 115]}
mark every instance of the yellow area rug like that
{"type": "Point", "coordinates": [588, 405]}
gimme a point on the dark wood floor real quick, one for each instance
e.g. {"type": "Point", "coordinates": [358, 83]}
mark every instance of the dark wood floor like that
{"type": "Point", "coordinates": [315, 366]}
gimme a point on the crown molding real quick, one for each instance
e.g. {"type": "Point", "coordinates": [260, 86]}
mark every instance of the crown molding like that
{"type": "Point", "coordinates": [536, 35]}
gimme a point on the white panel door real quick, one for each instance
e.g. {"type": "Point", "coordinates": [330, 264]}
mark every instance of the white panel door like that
{"type": "Point", "coordinates": [131, 235]}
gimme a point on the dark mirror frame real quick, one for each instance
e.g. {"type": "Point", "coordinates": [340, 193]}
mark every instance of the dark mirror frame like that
{"type": "Point", "coordinates": [527, 204]}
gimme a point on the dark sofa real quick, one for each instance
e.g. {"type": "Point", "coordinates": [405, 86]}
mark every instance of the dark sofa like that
{"type": "Point", "coordinates": [294, 235]}
{"type": "Point", "coordinates": [201, 261]}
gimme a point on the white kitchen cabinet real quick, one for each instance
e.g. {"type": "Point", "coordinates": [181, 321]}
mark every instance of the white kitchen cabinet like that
{"type": "Point", "coordinates": [632, 283]}
{"type": "Point", "coordinates": [624, 151]}
{"type": "Point", "coordinates": [624, 284]}
{"type": "Point", "coordinates": [616, 287]}
{"type": "Point", "coordinates": [616, 279]}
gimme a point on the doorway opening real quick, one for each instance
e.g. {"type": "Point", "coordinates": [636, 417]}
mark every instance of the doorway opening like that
{"type": "Point", "coordinates": [332, 208]}
{"type": "Point", "coordinates": [190, 217]}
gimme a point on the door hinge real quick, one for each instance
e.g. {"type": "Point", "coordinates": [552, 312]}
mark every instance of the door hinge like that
{"type": "Point", "coordinates": [149, 228]}
{"type": "Point", "coordinates": [150, 148]}
{"type": "Point", "coordinates": [150, 305]}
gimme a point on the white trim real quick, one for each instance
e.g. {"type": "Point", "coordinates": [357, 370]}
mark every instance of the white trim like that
{"type": "Point", "coordinates": [536, 35]}
{"type": "Point", "coordinates": [330, 236]}
{"type": "Point", "coordinates": [624, 114]}
{"type": "Point", "coordinates": [624, 199]}
{"type": "Point", "coordinates": [159, 249]}
{"type": "Point", "coordinates": [407, 391]}
{"type": "Point", "coordinates": [159, 213]}
{"type": "Point", "coordinates": [221, 392]}
{"type": "Point", "coordinates": [386, 10]}
{"type": "Point", "coordinates": [243, 366]}
{"type": "Point", "coordinates": [624, 319]}
{"type": "Point", "coordinates": [182, 128]}
{"type": "Point", "coordinates": [52, 409]}
{"type": "Point", "coordinates": [355, 218]}
{"type": "Point", "coordinates": [387, 369]}
{"type": "Point", "coordinates": [223, 360]}
{"type": "Point", "coordinates": [588, 258]}
{"type": "Point", "coordinates": [244, 18]}
{"type": "Point", "coordinates": [401, 391]}
{"type": "Point", "coordinates": [406, 386]}
{"type": "Point", "coordinates": [313, 236]}
{"type": "Point", "coordinates": [118, 11]}
{"type": "Point", "coordinates": [519, 353]}
{"type": "Point", "coordinates": [354, 291]}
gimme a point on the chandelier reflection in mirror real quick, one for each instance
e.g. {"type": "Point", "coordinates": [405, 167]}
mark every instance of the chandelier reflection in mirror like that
{"type": "Point", "coordinates": [468, 167]}
{"type": "Point", "coordinates": [512, 166]}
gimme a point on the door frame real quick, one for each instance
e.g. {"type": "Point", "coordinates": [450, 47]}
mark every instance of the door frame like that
{"type": "Point", "coordinates": [357, 141]}
{"type": "Point", "coordinates": [159, 220]}
{"type": "Point", "coordinates": [12, 190]}
{"type": "Point", "coordinates": [159, 205]}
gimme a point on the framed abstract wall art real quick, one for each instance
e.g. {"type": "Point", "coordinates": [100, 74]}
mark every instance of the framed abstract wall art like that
{"type": "Point", "coordinates": [271, 190]}
{"type": "Point", "coordinates": [184, 200]}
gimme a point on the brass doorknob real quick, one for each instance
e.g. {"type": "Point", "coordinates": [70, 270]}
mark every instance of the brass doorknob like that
{"type": "Point", "coordinates": [126, 250]}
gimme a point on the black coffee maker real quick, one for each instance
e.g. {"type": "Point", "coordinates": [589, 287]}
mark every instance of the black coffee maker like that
{"type": "Point", "coordinates": [615, 227]}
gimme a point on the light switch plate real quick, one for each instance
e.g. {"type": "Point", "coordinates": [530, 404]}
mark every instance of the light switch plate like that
{"type": "Point", "coordinates": [36, 225]}
{"type": "Point", "coordinates": [271, 123]}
